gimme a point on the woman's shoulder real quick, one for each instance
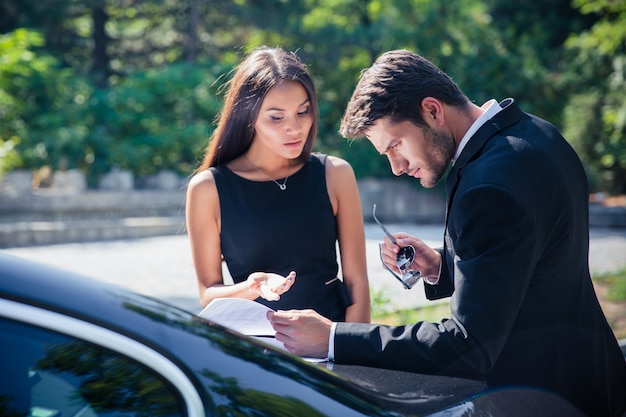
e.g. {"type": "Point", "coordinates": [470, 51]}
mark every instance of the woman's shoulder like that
{"type": "Point", "coordinates": [202, 192]}
{"type": "Point", "coordinates": [336, 165]}
{"type": "Point", "coordinates": [202, 180]}
{"type": "Point", "coordinates": [331, 161]}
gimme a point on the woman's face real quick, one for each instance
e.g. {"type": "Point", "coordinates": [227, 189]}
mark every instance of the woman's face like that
{"type": "Point", "coordinates": [284, 120]}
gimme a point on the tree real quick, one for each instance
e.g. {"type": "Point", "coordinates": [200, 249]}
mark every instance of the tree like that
{"type": "Point", "coordinates": [38, 99]}
{"type": "Point", "coordinates": [104, 50]}
{"type": "Point", "coordinates": [596, 115]}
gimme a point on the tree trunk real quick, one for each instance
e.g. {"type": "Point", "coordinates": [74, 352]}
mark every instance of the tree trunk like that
{"type": "Point", "coordinates": [192, 38]}
{"type": "Point", "coordinates": [101, 69]}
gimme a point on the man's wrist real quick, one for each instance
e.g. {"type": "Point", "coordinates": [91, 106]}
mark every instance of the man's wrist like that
{"type": "Point", "coordinates": [434, 280]}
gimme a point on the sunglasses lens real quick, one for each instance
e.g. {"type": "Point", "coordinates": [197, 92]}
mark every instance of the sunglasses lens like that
{"type": "Point", "coordinates": [410, 278]}
{"type": "Point", "coordinates": [405, 258]}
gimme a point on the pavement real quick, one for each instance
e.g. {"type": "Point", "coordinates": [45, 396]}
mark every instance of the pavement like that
{"type": "Point", "coordinates": [161, 267]}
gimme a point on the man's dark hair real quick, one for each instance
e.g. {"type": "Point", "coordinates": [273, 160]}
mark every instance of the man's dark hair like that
{"type": "Point", "coordinates": [394, 87]}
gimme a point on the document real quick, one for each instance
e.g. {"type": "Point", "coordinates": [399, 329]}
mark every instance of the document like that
{"type": "Point", "coordinates": [245, 316]}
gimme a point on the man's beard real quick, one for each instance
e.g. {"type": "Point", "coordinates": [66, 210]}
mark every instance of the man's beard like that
{"type": "Point", "coordinates": [441, 148]}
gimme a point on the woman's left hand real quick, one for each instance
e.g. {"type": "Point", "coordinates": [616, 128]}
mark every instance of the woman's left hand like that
{"type": "Point", "coordinates": [270, 286]}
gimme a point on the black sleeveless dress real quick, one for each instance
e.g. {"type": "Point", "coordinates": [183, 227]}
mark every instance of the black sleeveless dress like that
{"type": "Point", "coordinates": [266, 229]}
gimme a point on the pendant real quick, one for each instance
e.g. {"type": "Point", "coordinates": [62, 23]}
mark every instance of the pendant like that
{"type": "Point", "coordinates": [282, 187]}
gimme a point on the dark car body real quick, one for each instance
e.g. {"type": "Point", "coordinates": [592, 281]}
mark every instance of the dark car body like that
{"type": "Point", "coordinates": [73, 346]}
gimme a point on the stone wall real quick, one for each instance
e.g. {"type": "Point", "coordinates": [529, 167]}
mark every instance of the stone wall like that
{"type": "Point", "coordinates": [399, 201]}
{"type": "Point", "coordinates": [65, 211]}
{"type": "Point", "coordinates": [48, 217]}
{"type": "Point", "coordinates": [68, 212]}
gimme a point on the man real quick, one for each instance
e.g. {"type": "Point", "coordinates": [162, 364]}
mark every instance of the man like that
{"type": "Point", "coordinates": [515, 254]}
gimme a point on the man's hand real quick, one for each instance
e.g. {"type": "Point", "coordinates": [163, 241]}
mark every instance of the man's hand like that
{"type": "Point", "coordinates": [426, 261]}
{"type": "Point", "coordinates": [303, 332]}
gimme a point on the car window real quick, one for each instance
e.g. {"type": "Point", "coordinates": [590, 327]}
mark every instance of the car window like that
{"type": "Point", "coordinates": [47, 374]}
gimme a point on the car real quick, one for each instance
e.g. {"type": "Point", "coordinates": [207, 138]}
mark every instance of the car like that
{"type": "Point", "coordinates": [75, 346]}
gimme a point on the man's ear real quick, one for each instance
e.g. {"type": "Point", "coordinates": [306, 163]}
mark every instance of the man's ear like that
{"type": "Point", "coordinates": [432, 110]}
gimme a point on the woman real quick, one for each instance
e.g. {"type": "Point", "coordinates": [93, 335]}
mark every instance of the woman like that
{"type": "Point", "coordinates": [271, 209]}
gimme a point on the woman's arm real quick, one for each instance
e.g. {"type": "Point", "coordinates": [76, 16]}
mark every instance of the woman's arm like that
{"type": "Point", "coordinates": [344, 196]}
{"type": "Point", "coordinates": [203, 228]}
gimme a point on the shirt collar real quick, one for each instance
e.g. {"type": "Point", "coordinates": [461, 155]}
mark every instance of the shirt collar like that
{"type": "Point", "coordinates": [491, 108]}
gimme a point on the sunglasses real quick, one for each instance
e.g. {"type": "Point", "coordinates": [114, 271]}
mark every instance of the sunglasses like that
{"type": "Point", "coordinates": [404, 259]}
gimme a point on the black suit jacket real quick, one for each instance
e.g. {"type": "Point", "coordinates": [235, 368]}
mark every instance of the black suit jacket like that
{"type": "Point", "coordinates": [515, 264]}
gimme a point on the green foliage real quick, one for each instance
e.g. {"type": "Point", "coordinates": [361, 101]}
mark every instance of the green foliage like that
{"type": "Point", "coordinates": [32, 93]}
{"type": "Point", "coordinates": [154, 120]}
{"type": "Point", "coordinates": [617, 285]}
{"type": "Point", "coordinates": [159, 119]}
{"type": "Point", "coordinates": [596, 114]}
{"type": "Point", "coordinates": [145, 123]}
{"type": "Point", "coordinates": [129, 83]}
{"type": "Point", "coordinates": [379, 303]}
{"type": "Point", "coordinates": [433, 312]}
{"type": "Point", "coordinates": [490, 52]}
{"type": "Point", "coordinates": [383, 313]}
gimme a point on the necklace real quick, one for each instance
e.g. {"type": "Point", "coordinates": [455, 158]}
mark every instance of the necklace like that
{"type": "Point", "coordinates": [282, 186]}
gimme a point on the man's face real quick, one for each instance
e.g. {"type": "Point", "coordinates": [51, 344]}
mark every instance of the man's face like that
{"type": "Point", "coordinates": [420, 152]}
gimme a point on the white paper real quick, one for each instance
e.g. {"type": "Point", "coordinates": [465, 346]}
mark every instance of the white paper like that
{"type": "Point", "coordinates": [245, 316]}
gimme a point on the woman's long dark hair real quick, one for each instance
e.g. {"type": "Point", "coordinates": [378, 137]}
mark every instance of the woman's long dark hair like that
{"type": "Point", "coordinates": [261, 70]}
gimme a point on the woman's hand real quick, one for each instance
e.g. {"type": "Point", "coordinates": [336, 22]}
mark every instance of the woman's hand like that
{"type": "Point", "coordinates": [270, 286]}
